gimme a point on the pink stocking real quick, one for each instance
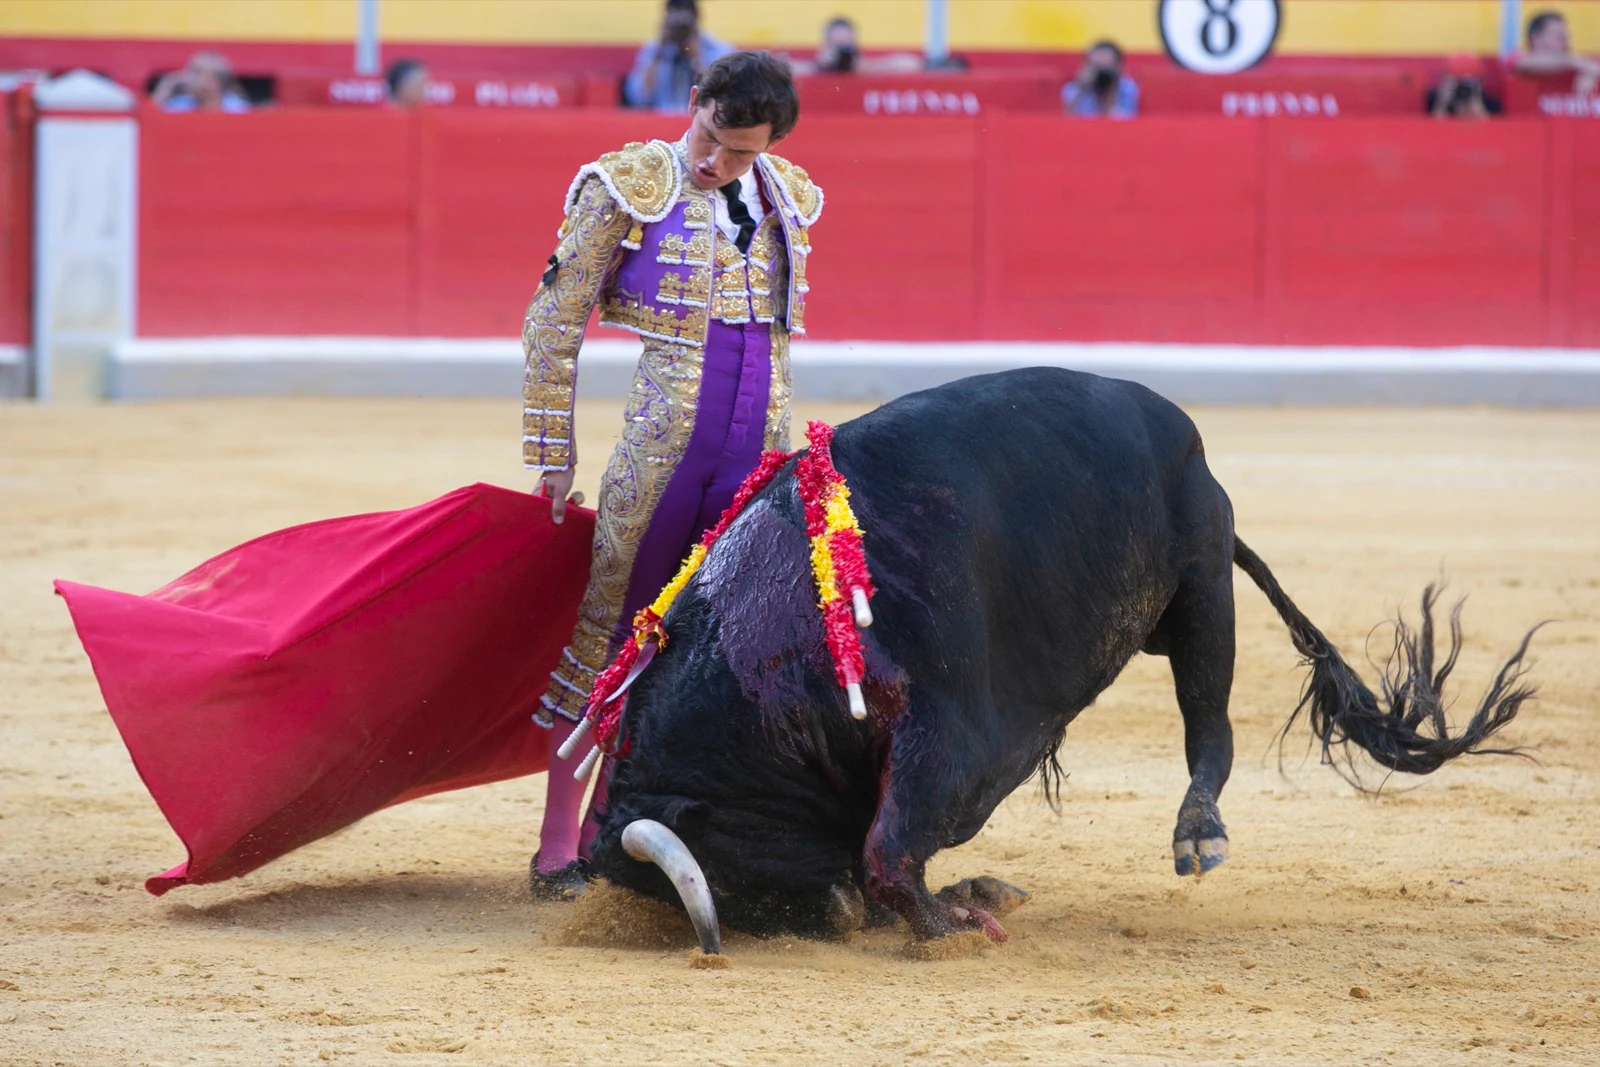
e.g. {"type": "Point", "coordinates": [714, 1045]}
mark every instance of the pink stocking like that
{"type": "Point", "coordinates": [563, 798]}
{"type": "Point", "coordinates": [591, 821]}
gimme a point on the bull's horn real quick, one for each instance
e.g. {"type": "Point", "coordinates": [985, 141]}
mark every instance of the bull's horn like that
{"type": "Point", "coordinates": [650, 842]}
{"type": "Point", "coordinates": [858, 597]}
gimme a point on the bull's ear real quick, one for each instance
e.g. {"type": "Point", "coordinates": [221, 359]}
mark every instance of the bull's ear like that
{"type": "Point", "coordinates": [688, 818]}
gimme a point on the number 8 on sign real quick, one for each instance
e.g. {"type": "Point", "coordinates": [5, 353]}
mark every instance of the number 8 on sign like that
{"type": "Point", "coordinates": [1219, 36]}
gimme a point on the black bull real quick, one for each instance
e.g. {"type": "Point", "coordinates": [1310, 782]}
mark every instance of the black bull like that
{"type": "Point", "coordinates": [1028, 532]}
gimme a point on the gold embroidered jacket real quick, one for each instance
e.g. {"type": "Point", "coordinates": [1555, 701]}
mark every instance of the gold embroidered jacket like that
{"type": "Point", "coordinates": [639, 241]}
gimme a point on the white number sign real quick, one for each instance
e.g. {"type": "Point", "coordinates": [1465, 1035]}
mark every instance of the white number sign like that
{"type": "Point", "coordinates": [1219, 36]}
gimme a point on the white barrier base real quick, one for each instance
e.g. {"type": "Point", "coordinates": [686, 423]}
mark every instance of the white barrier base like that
{"type": "Point", "coordinates": [866, 371]}
{"type": "Point", "coordinates": [13, 371]}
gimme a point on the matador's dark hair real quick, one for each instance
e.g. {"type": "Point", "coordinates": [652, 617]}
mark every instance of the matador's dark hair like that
{"type": "Point", "coordinates": [748, 89]}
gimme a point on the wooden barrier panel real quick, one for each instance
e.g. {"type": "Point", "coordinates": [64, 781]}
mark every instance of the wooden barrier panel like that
{"type": "Point", "coordinates": [1292, 94]}
{"type": "Point", "coordinates": [899, 240]}
{"type": "Point", "coordinates": [490, 191]}
{"type": "Point", "coordinates": [1406, 232]}
{"type": "Point", "coordinates": [16, 219]}
{"type": "Point", "coordinates": [932, 95]}
{"type": "Point", "coordinates": [1007, 227]}
{"type": "Point", "coordinates": [1575, 229]}
{"type": "Point", "coordinates": [276, 223]}
{"type": "Point", "coordinates": [1142, 230]}
{"type": "Point", "coordinates": [489, 90]}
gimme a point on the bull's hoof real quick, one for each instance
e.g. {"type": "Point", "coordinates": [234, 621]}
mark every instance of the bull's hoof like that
{"type": "Point", "coordinates": [989, 894]}
{"type": "Point", "coordinates": [847, 911]}
{"type": "Point", "coordinates": [564, 884]}
{"type": "Point", "coordinates": [880, 917]}
{"type": "Point", "coordinates": [1198, 857]}
{"type": "Point", "coordinates": [984, 923]}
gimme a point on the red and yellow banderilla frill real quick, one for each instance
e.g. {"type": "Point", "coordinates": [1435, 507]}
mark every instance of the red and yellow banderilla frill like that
{"type": "Point", "coordinates": [838, 563]}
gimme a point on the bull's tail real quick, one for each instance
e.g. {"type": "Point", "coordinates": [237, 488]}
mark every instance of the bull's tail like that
{"type": "Point", "coordinates": [1406, 729]}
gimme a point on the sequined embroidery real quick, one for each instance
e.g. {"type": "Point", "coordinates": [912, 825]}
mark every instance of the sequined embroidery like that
{"type": "Point", "coordinates": [692, 289]}
{"type": "Point", "coordinates": [658, 423]}
{"type": "Point", "coordinates": [555, 321]}
{"type": "Point", "coordinates": [660, 305]}
{"type": "Point", "coordinates": [779, 390]}
{"type": "Point", "coordinates": [697, 215]}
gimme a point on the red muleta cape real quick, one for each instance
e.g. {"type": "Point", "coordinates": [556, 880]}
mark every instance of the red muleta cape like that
{"type": "Point", "coordinates": [290, 686]}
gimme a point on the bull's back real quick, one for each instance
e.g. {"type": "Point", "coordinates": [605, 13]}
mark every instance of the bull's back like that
{"type": "Point", "coordinates": [1035, 515]}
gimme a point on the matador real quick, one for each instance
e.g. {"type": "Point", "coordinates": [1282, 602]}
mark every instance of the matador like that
{"type": "Point", "coordinates": [700, 248]}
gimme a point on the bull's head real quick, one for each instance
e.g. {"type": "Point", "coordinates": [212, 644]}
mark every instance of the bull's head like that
{"type": "Point", "coordinates": [749, 787]}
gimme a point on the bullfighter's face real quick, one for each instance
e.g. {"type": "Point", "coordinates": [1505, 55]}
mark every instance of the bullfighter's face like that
{"type": "Point", "coordinates": [720, 154]}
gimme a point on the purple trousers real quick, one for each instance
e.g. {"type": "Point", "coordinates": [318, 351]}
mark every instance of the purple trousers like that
{"type": "Point", "coordinates": [726, 444]}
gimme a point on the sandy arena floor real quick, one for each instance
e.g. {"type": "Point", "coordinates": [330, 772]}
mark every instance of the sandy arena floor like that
{"type": "Point", "coordinates": [1452, 920]}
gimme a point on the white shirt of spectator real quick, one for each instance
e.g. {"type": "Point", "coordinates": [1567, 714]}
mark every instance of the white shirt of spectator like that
{"type": "Point", "coordinates": [750, 193]}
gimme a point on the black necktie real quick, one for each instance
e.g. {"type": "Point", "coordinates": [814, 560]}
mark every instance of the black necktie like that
{"type": "Point", "coordinates": [740, 215]}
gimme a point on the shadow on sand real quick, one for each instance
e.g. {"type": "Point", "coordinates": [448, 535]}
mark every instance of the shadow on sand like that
{"type": "Point", "coordinates": [473, 903]}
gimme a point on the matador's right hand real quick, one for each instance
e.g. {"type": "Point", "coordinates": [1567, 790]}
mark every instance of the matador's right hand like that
{"type": "Point", "coordinates": [557, 485]}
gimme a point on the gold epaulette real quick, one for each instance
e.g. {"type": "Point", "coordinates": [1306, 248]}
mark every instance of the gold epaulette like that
{"type": "Point", "coordinates": [642, 177]}
{"type": "Point", "coordinates": [804, 195]}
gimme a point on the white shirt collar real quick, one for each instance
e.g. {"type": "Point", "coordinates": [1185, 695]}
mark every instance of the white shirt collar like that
{"type": "Point", "coordinates": [750, 193]}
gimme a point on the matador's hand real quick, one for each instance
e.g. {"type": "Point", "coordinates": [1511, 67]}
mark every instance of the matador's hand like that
{"type": "Point", "coordinates": [557, 485]}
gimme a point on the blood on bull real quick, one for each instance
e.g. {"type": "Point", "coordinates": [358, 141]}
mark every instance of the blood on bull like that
{"type": "Point", "coordinates": [1028, 533]}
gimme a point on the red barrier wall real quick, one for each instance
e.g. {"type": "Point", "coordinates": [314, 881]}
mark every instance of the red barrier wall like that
{"type": "Point", "coordinates": [1016, 227]}
{"type": "Point", "coordinates": [16, 218]}
{"type": "Point", "coordinates": [277, 223]}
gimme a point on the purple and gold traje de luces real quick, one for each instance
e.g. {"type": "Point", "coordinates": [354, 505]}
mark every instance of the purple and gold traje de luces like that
{"type": "Point", "coordinates": [712, 388]}
{"type": "Point", "coordinates": [685, 273]}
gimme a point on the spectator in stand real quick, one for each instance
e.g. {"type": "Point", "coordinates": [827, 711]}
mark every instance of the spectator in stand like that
{"type": "Point", "coordinates": [408, 83]}
{"type": "Point", "coordinates": [1459, 94]}
{"type": "Point", "coordinates": [840, 53]}
{"type": "Point", "coordinates": [841, 49]}
{"type": "Point", "coordinates": [1101, 90]}
{"type": "Point", "coordinates": [1550, 52]}
{"type": "Point", "coordinates": [668, 67]}
{"type": "Point", "coordinates": [206, 83]}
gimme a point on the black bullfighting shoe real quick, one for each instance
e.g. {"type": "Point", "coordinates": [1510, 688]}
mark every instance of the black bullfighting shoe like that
{"type": "Point", "coordinates": [562, 884]}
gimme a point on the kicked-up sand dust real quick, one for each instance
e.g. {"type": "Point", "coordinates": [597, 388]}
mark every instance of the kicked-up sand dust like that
{"type": "Point", "coordinates": [1451, 920]}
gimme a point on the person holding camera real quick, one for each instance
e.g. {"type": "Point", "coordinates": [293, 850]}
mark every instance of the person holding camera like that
{"type": "Point", "coordinates": [1460, 93]}
{"type": "Point", "coordinates": [206, 83]}
{"type": "Point", "coordinates": [668, 67]}
{"type": "Point", "coordinates": [1101, 89]}
{"type": "Point", "coordinates": [840, 53]}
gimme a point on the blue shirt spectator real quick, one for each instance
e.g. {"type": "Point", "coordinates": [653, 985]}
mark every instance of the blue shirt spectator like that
{"type": "Point", "coordinates": [1100, 89]}
{"type": "Point", "coordinates": [206, 83]}
{"type": "Point", "coordinates": [667, 68]}
{"type": "Point", "coordinates": [229, 102]}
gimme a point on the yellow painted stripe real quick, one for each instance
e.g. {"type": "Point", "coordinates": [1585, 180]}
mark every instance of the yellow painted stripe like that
{"type": "Point", "coordinates": [1412, 27]}
{"type": "Point", "coordinates": [224, 20]}
{"type": "Point", "coordinates": [1322, 27]}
